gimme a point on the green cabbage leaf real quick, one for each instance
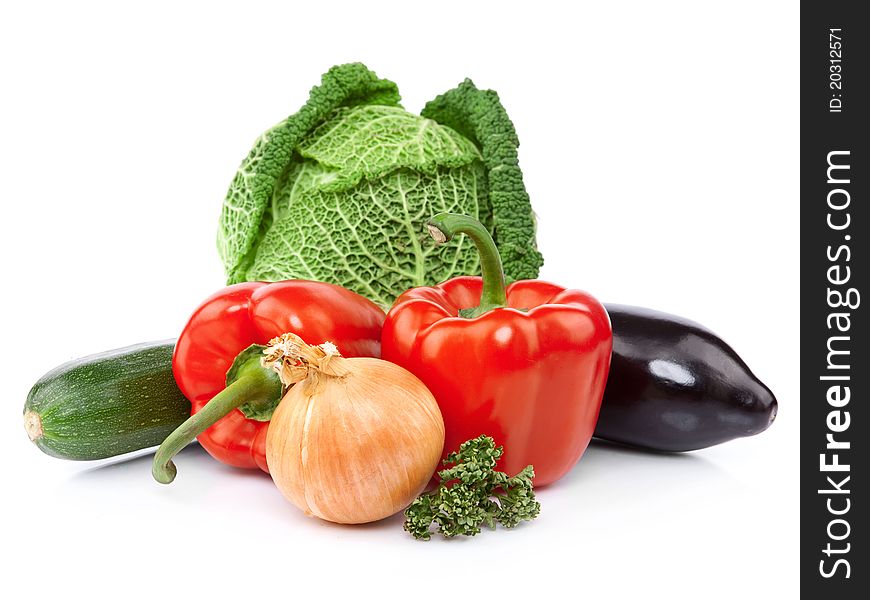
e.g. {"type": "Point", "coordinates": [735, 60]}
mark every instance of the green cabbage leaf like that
{"type": "Point", "coordinates": [341, 190]}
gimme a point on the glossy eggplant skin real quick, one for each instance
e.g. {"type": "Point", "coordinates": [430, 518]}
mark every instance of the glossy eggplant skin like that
{"type": "Point", "coordinates": [675, 386]}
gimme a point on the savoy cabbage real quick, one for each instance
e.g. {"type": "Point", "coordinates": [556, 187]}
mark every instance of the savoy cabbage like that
{"type": "Point", "coordinates": [341, 190]}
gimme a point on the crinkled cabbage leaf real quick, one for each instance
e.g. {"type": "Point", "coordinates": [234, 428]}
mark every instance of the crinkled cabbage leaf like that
{"type": "Point", "coordinates": [341, 190]}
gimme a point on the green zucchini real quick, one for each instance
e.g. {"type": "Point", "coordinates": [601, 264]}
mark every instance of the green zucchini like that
{"type": "Point", "coordinates": [106, 404]}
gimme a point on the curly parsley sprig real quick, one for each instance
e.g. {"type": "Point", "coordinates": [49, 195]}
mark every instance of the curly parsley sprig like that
{"type": "Point", "coordinates": [472, 493]}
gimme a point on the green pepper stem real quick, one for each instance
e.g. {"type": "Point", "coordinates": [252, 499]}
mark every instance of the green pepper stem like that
{"type": "Point", "coordinates": [249, 388]}
{"type": "Point", "coordinates": [443, 226]}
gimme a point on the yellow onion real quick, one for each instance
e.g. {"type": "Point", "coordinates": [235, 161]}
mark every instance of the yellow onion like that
{"type": "Point", "coordinates": [353, 440]}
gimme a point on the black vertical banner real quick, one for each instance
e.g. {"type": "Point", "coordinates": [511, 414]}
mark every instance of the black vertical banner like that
{"type": "Point", "coordinates": [835, 369]}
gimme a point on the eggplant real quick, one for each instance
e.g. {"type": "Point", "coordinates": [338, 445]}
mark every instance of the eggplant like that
{"type": "Point", "coordinates": [675, 386]}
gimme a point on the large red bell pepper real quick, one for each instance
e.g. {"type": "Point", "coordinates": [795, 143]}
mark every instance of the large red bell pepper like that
{"type": "Point", "coordinates": [217, 361]}
{"type": "Point", "coordinates": [526, 364]}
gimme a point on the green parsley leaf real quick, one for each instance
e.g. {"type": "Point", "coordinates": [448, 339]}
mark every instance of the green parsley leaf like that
{"type": "Point", "coordinates": [472, 493]}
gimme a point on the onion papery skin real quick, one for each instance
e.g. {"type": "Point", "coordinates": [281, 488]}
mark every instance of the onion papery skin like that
{"type": "Point", "coordinates": [356, 448]}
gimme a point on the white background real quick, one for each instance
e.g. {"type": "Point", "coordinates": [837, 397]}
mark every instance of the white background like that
{"type": "Point", "coordinates": [660, 148]}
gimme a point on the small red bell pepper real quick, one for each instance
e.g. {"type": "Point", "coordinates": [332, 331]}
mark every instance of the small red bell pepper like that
{"type": "Point", "coordinates": [216, 362]}
{"type": "Point", "coordinates": [527, 365]}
